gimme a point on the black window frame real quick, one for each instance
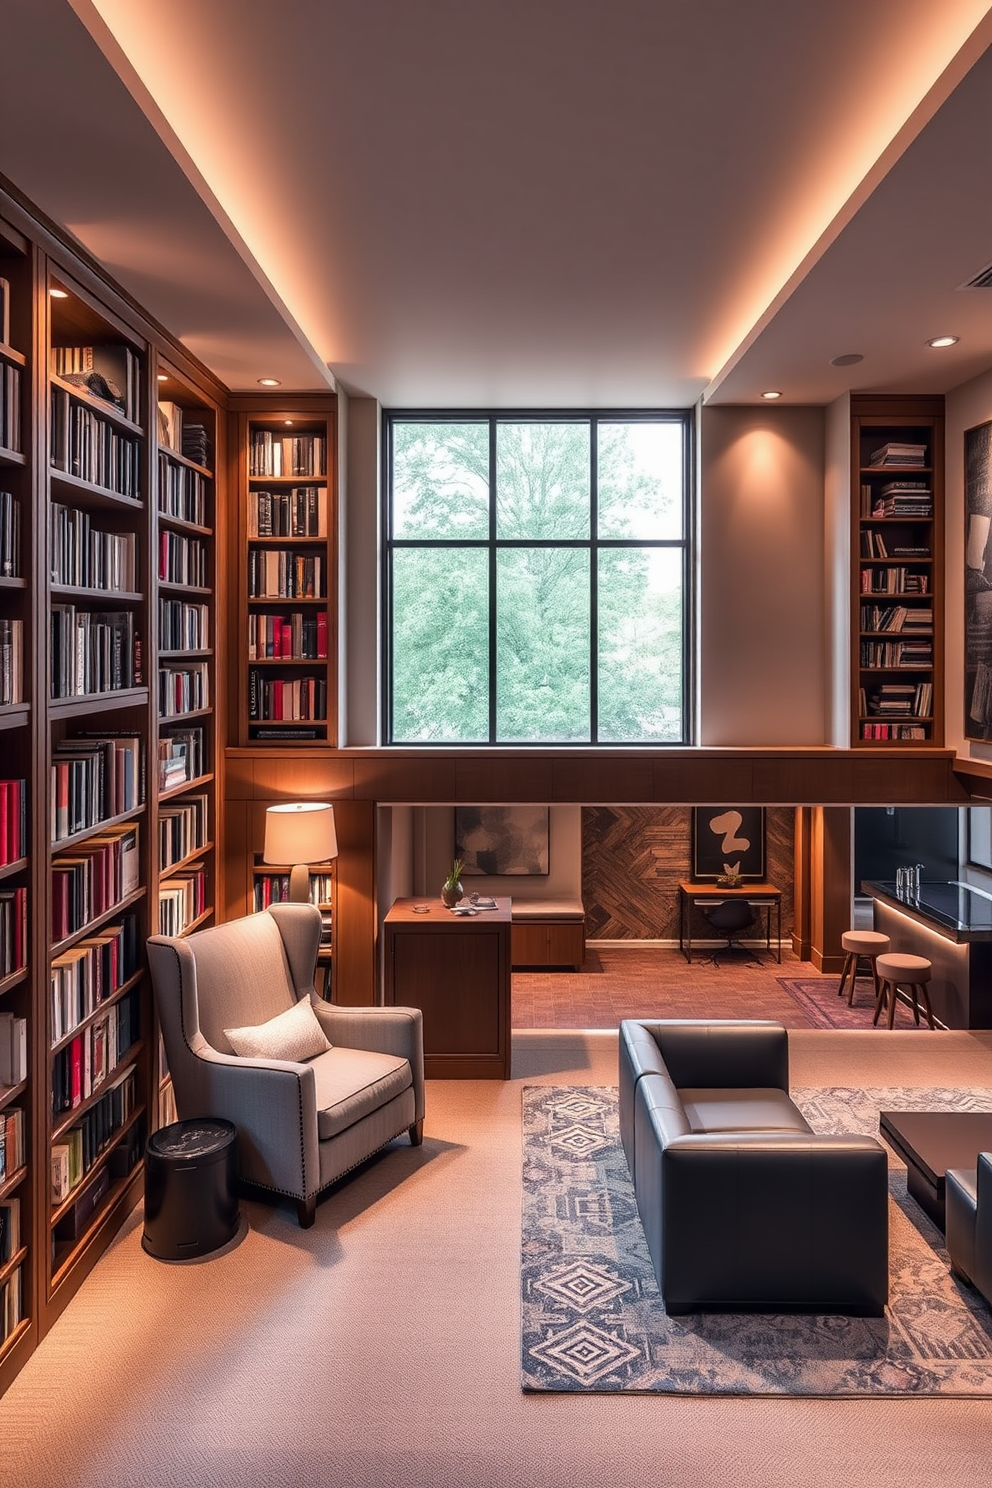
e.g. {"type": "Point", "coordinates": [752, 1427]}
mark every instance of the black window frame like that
{"type": "Point", "coordinates": [593, 544]}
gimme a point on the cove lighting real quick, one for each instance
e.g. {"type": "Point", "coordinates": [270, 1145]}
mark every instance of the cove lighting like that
{"type": "Point", "coordinates": [938, 341]}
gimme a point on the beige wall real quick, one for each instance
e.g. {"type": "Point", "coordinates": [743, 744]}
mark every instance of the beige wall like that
{"type": "Point", "coordinates": [761, 592]}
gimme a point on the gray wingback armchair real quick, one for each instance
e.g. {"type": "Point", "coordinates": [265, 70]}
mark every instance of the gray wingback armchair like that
{"type": "Point", "coordinates": [301, 1123]}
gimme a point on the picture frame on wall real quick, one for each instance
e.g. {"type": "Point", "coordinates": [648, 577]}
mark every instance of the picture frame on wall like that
{"type": "Point", "coordinates": [495, 840]}
{"type": "Point", "coordinates": [728, 839]}
{"type": "Point", "coordinates": [978, 582]}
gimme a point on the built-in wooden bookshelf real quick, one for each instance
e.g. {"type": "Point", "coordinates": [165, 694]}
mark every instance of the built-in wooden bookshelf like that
{"type": "Point", "coordinates": [287, 583]}
{"type": "Point", "coordinates": [110, 730]}
{"type": "Point", "coordinates": [270, 885]}
{"type": "Point", "coordinates": [897, 557]}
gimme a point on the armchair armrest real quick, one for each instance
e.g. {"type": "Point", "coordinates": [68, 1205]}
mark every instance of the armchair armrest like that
{"type": "Point", "coordinates": [703, 1054]}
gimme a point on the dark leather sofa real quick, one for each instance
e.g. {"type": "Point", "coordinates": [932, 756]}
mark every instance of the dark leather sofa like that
{"type": "Point", "coordinates": [744, 1207]}
{"type": "Point", "coordinates": [968, 1194]}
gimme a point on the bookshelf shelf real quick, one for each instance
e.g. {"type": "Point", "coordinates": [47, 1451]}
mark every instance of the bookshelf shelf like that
{"type": "Point", "coordinates": [11, 457]}
{"type": "Point", "coordinates": [13, 1181]}
{"type": "Point", "coordinates": [897, 570]}
{"type": "Point", "coordinates": [66, 1120]}
{"type": "Point", "coordinates": [10, 1094]}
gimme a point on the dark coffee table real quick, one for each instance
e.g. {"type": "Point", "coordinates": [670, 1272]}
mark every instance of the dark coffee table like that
{"type": "Point", "coordinates": [930, 1142]}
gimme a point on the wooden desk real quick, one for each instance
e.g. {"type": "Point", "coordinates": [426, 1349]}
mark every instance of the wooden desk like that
{"type": "Point", "coordinates": [762, 895]}
{"type": "Point", "coordinates": [456, 968]}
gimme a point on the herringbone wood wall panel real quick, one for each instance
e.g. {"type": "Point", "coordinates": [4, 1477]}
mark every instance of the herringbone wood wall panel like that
{"type": "Point", "coordinates": [634, 856]}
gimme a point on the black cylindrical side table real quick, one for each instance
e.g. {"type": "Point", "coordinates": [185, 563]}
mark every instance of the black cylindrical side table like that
{"type": "Point", "coordinates": [191, 1204]}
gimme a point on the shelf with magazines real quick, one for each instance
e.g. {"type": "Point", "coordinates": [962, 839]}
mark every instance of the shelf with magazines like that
{"type": "Point", "coordinates": [287, 578]}
{"type": "Point", "coordinates": [897, 570]}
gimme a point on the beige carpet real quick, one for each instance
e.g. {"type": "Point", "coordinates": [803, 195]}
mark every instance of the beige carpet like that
{"type": "Point", "coordinates": [380, 1348]}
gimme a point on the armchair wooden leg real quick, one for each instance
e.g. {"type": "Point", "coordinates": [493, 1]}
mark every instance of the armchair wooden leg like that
{"type": "Point", "coordinates": [306, 1211]}
{"type": "Point", "coordinates": [416, 1133]}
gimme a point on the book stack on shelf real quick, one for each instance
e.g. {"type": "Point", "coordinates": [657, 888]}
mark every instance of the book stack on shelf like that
{"type": "Point", "coordinates": [182, 758]}
{"type": "Point", "coordinates": [898, 463]}
{"type": "Point", "coordinates": [182, 900]}
{"type": "Point", "coordinates": [289, 564]}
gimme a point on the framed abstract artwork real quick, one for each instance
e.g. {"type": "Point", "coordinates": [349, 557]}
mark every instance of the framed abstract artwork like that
{"type": "Point", "coordinates": [728, 839]}
{"type": "Point", "coordinates": [502, 839]}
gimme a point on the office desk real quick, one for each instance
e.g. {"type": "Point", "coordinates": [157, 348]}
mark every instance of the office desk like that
{"type": "Point", "coordinates": [762, 895]}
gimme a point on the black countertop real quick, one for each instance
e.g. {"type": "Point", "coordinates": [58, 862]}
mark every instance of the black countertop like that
{"type": "Point", "coordinates": [957, 910]}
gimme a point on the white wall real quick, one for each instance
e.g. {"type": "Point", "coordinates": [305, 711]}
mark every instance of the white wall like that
{"type": "Point", "coordinates": [762, 678]}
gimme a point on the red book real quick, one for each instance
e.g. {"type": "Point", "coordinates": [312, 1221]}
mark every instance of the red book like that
{"type": "Point", "coordinates": [5, 834]}
{"type": "Point", "coordinates": [285, 639]}
{"type": "Point", "coordinates": [76, 1069]}
{"type": "Point", "coordinates": [277, 698]}
{"type": "Point", "coordinates": [322, 634]}
{"type": "Point", "coordinates": [15, 815]}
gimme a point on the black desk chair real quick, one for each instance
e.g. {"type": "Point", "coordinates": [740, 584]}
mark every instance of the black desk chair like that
{"type": "Point", "coordinates": [732, 917]}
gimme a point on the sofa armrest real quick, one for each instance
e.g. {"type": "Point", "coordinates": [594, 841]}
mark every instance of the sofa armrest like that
{"type": "Point", "coordinates": [392, 1030]}
{"type": "Point", "coordinates": [704, 1053]}
{"type": "Point", "coordinates": [754, 1216]}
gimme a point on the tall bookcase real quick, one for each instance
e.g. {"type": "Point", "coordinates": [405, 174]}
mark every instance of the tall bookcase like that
{"type": "Point", "coordinates": [284, 477]}
{"type": "Point", "coordinates": [111, 729]}
{"type": "Point", "coordinates": [897, 615]}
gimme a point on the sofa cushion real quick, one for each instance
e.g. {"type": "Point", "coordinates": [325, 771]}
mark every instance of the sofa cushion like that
{"type": "Point", "coordinates": [353, 1082]}
{"type": "Point", "coordinates": [295, 1034]}
{"type": "Point", "coordinates": [547, 909]}
{"type": "Point", "coordinates": [740, 1110]}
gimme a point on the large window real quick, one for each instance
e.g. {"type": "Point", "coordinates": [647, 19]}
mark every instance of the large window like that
{"type": "Point", "coordinates": [537, 578]}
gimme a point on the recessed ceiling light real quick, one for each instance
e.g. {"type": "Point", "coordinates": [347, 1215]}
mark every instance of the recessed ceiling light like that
{"type": "Point", "coordinates": [288, 423]}
{"type": "Point", "coordinates": [849, 359]}
{"type": "Point", "coordinates": [771, 394]}
{"type": "Point", "coordinates": [269, 382]}
{"type": "Point", "coordinates": [163, 376]}
{"type": "Point", "coordinates": [937, 341]}
{"type": "Point", "coordinates": [58, 294]}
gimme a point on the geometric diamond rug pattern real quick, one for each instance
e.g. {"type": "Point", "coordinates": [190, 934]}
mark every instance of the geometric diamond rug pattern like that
{"type": "Point", "coordinates": [592, 1318]}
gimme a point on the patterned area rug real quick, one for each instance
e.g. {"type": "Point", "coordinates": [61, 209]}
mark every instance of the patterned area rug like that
{"type": "Point", "coordinates": [817, 998]}
{"type": "Point", "coordinates": [592, 1317]}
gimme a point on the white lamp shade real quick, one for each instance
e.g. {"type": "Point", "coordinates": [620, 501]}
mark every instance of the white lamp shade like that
{"type": "Point", "coordinates": [301, 832]}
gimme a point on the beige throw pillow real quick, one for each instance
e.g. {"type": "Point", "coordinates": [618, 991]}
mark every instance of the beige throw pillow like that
{"type": "Point", "coordinates": [295, 1034]}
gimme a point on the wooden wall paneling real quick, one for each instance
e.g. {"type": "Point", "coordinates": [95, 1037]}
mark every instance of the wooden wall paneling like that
{"type": "Point", "coordinates": [480, 781]}
{"type": "Point", "coordinates": [801, 883]}
{"type": "Point", "coordinates": [355, 926]}
{"type": "Point", "coordinates": [304, 775]}
{"type": "Point", "coordinates": [417, 779]}
{"type": "Point", "coordinates": [787, 779]}
{"type": "Point", "coordinates": [617, 779]}
{"type": "Point", "coordinates": [703, 779]}
{"type": "Point", "coordinates": [237, 855]}
{"type": "Point", "coordinates": [830, 886]}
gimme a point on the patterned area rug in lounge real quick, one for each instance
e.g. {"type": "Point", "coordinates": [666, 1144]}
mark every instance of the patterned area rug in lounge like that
{"type": "Point", "coordinates": [592, 1317]}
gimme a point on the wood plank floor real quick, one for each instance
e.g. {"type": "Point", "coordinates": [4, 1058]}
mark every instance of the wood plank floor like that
{"type": "Point", "coordinates": [644, 981]}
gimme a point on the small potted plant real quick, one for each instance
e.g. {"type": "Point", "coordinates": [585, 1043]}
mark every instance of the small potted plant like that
{"type": "Point", "coordinates": [451, 889]}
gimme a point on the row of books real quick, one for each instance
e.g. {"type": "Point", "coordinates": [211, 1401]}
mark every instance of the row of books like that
{"type": "Point", "coordinates": [913, 653]}
{"type": "Point", "coordinates": [82, 1066]}
{"type": "Point", "coordinates": [182, 829]}
{"type": "Point", "coordinates": [283, 574]}
{"type": "Point", "coordinates": [10, 407]}
{"type": "Point", "coordinates": [93, 651]}
{"type": "Point", "coordinates": [182, 626]}
{"type": "Point", "coordinates": [13, 820]}
{"type": "Point", "coordinates": [280, 699]}
{"type": "Point", "coordinates": [898, 452]}
{"type": "Point", "coordinates": [897, 580]}
{"type": "Point", "coordinates": [182, 492]}
{"type": "Point", "coordinates": [11, 1304]}
{"type": "Point", "coordinates": [99, 873]}
{"type": "Point", "coordinates": [881, 732]}
{"type": "Point", "coordinates": [89, 973]}
{"type": "Point", "coordinates": [84, 556]}
{"type": "Point", "coordinates": [299, 512]}
{"type": "Point", "coordinates": [77, 1152]}
{"type": "Point", "coordinates": [182, 560]}
{"type": "Point", "coordinates": [182, 899]}
{"type": "Point", "coordinates": [85, 445]}
{"type": "Point", "coordinates": [271, 454]}
{"type": "Point", "coordinates": [11, 1141]}
{"type": "Point", "coordinates": [13, 930]}
{"type": "Point", "coordinates": [909, 699]}
{"type": "Point", "coordinates": [182, 756]}
{"type": "Point", "coordinates": [10, 536]}
{"type": "Point", "coordinates": [10, 1229]}
{"type": "Point", "coordinates": [273, 888]}
{"type": "Point", "coordinates": [184, 435]}
{"type": "Point", "coordinates": [183, 689]}
{"type": "Point", "coordinates": [110, 372]}
{"type": "Point", "coordinates": [293, 637]}
{"type": "Point", "coordinates": [11, 661]}
{"type": "Point", "coordinates": [13, 1049]}
{"type": "Point", "coordinates": [874, 545]}
{"type": "Point", "coordinates": [916, 618]}
{"type": "Point", "coordinates": [93, 778]}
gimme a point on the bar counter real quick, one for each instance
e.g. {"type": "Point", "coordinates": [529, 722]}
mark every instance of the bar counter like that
{"type": "Point", "coordinates": [950, 923]}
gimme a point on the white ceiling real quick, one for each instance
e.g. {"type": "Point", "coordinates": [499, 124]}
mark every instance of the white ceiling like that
{"type": "Point", "coordinates": [524, 203]}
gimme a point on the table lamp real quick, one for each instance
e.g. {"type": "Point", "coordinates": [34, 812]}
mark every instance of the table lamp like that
{"type": "Point", "coordinates": [300, 833]}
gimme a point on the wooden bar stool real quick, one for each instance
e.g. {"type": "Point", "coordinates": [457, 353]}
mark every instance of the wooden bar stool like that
{"type": "Point", "coordinates": [861, 945]}
{"type": "Point", "coordinates": [895, 971]}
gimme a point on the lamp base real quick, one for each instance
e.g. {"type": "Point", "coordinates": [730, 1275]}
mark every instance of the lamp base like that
{"type": "Point", "coordinates": [299, 884]}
